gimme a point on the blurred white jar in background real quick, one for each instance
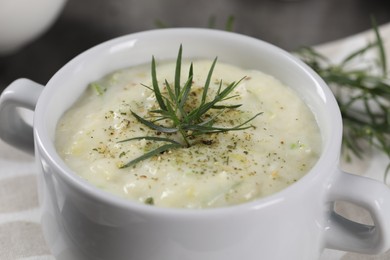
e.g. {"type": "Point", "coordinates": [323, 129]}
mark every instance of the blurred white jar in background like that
{"type": "Point", "coordinates": [22, 21]}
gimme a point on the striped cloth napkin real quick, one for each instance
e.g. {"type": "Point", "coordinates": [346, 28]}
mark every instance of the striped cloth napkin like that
{"type": "Point", "coordinates": [21, 236]}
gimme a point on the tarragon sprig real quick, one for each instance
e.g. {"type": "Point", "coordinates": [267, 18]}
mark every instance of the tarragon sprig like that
{"type": "Point", "coordinates": [179, 117]}
{"type": "Point", "coordinates": [366, 109]}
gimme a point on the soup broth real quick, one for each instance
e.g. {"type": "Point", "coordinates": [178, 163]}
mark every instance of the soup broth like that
{"type": "Point", "coordinates": [281, 145]}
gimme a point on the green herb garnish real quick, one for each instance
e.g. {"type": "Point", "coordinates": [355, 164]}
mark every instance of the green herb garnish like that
{"type": "Point", "coordinates": [368, 125]}
{"type": "Point", "coordinates": [181, 118]}
{"type": "Point", "coordinates": [149, 201]}
{"type": "Point", "coordinates": [363, 95]}
{"type": "Point", "coordinates": [98, 88]}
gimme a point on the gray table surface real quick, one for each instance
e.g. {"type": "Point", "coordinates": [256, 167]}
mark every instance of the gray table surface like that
{"type": "Point", "coordinates": [287, 24]}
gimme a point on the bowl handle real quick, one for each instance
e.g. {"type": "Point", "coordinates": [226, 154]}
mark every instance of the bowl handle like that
{"type": "Point", "coordinates": [347, 235]}
{"type": "Point", "coordinates": [14, 130]}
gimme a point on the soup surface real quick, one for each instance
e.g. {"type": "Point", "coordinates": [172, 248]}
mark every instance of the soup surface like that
{"type": "Point", "coordinates": [220, 169]}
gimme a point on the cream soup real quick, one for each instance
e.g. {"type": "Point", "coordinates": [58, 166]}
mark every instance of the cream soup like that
{"type": "Point", "coordinates": [282, 144]}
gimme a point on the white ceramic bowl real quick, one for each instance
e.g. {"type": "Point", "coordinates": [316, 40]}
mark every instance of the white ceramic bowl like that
{"type": "Point", "coordinates": [22, 21]}
{"type": "Point", "coordinates": [82, 222]}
